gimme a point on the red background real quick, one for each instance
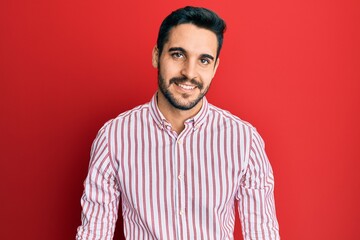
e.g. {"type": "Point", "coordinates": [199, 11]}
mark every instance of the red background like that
{"type": "Point", "coordinates": [291, 68]}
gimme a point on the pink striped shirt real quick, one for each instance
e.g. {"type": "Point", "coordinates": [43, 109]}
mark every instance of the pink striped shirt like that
{"type": "Point", "coordinates": [178, 186]}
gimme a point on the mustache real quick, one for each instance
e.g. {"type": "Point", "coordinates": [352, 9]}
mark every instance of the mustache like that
{"type": "Point", "coordinates": [178, 80]}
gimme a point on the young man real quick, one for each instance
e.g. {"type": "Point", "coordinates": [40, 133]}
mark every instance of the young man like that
{"type": "Point", "coordinates": [178, 163]}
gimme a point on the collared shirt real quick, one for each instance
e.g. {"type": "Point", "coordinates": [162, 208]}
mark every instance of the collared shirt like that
{"type": "Point", "coordinates": [178, 186]}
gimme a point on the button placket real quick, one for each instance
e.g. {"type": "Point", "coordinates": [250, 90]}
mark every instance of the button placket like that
{"type": "Point", "coordinates": [179, 145]}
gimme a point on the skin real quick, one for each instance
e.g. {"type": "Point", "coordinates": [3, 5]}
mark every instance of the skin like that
{"type": "Point", "coordinates": [186, 68]}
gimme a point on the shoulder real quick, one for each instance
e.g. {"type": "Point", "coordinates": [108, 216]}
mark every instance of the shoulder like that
{"type": "Point", "coordinates": [226, 117]}
{"type": "Point", "coordinates": [133, 115]}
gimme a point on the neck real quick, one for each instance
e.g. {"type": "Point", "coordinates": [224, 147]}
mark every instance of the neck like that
{"type": "Point", "coordinates": [176, 117]}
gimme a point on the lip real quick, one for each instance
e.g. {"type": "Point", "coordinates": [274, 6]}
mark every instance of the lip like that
{"type": "Point", "coordinates": [185, 87]}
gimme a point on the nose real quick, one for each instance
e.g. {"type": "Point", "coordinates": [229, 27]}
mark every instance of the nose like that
{"type": "Point", "coordinates": [189, 69]}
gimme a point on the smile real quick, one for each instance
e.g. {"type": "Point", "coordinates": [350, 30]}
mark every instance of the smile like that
{"type": "Point", "coordinates": [186, 87]}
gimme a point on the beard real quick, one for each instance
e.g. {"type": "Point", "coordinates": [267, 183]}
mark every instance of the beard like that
{"type": "Point", "coordinates": [177, 102]}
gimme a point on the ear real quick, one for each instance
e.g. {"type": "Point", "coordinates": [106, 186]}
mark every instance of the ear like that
{"type": "Point", "coordinates": [155, 57]}
{"type": "Point", "coordinates": [216, 66]}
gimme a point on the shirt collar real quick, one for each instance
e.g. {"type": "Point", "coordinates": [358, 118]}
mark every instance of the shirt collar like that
{"type": "Point", "coordinates": [162, 123]}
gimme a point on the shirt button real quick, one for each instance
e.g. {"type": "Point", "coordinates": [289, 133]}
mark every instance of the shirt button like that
{"type": "Point", "coordinates": [181, 212]}
{"type": "Point", "coordinates": [180, 177]}
{"type": "Point", "coordinates": [179, 142]}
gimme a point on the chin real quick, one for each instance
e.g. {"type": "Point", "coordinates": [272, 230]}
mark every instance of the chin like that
{"type": "Point", "coordinates": [184, 105]}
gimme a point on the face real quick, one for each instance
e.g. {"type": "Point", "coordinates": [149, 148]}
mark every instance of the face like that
{"type": "Point", "coordinates": [186, 65]}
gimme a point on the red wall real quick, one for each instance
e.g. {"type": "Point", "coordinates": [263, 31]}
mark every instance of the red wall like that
{"type": "Point", "coordinates": [292, 68]}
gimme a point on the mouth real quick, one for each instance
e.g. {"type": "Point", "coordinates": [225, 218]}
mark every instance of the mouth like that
{"type": "Point", "coordinates": [186, 87]}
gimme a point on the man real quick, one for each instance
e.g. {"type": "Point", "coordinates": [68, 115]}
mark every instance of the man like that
{"type": "Point", "coordinates": [178, 163]}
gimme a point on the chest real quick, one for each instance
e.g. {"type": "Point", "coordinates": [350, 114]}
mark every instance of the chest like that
{"type": "Point", "coordinates": [199, 167]}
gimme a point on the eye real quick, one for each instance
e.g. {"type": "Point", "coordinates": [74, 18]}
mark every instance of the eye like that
{"type": "Point", "coordinates": [205, 61]}
{"type": "Point", "coordinates": [177, 55]}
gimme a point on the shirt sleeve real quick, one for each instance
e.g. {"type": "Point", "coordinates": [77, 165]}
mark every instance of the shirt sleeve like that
{"type": "Point", "coordinates": [256, 195]}
{"type": "Point", "coordinates": [100, 199]}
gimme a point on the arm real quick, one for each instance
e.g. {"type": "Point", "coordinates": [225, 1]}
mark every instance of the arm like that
{"type": "Point", "coordinates": [256, 195]}
{"type": "Point", "coordinates": [100, 199]}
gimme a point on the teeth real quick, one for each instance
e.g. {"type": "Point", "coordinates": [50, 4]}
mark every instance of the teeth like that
{"type": "Point", "coordinates": [186, 87]}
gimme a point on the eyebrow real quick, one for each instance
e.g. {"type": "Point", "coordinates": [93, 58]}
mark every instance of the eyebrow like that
{"type": "Point", "coordinates": [180, 49]}
{"type": "Point", "coordinates": [207, 56]}
{"type": "Point", "coordinates": [177, 49]}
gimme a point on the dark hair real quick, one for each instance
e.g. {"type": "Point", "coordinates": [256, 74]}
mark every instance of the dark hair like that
{"type": "Point", "coordinates": [200, 17]}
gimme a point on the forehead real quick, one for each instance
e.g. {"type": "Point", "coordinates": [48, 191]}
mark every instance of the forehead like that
{"type": "Point", "coordinates": [193, 39]}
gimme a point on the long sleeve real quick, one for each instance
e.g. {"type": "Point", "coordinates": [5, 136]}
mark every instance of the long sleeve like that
{"type": "Point", "coordinates": [256, 195]}
{"type": "Point", "coordinates": [101, 195]}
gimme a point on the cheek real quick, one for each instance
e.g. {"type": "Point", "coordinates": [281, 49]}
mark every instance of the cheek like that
{"type": "Point", "coordinates": [169, 70]}
{"type": "Point", "coordinates": [207, 77]}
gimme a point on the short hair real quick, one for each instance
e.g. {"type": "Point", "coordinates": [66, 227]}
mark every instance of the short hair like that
{"type": "Point", "coordinates": [200, 17]}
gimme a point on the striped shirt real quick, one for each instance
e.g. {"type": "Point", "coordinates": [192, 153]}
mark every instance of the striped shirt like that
{"type": "Point", "coordinates": [178, 186]}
